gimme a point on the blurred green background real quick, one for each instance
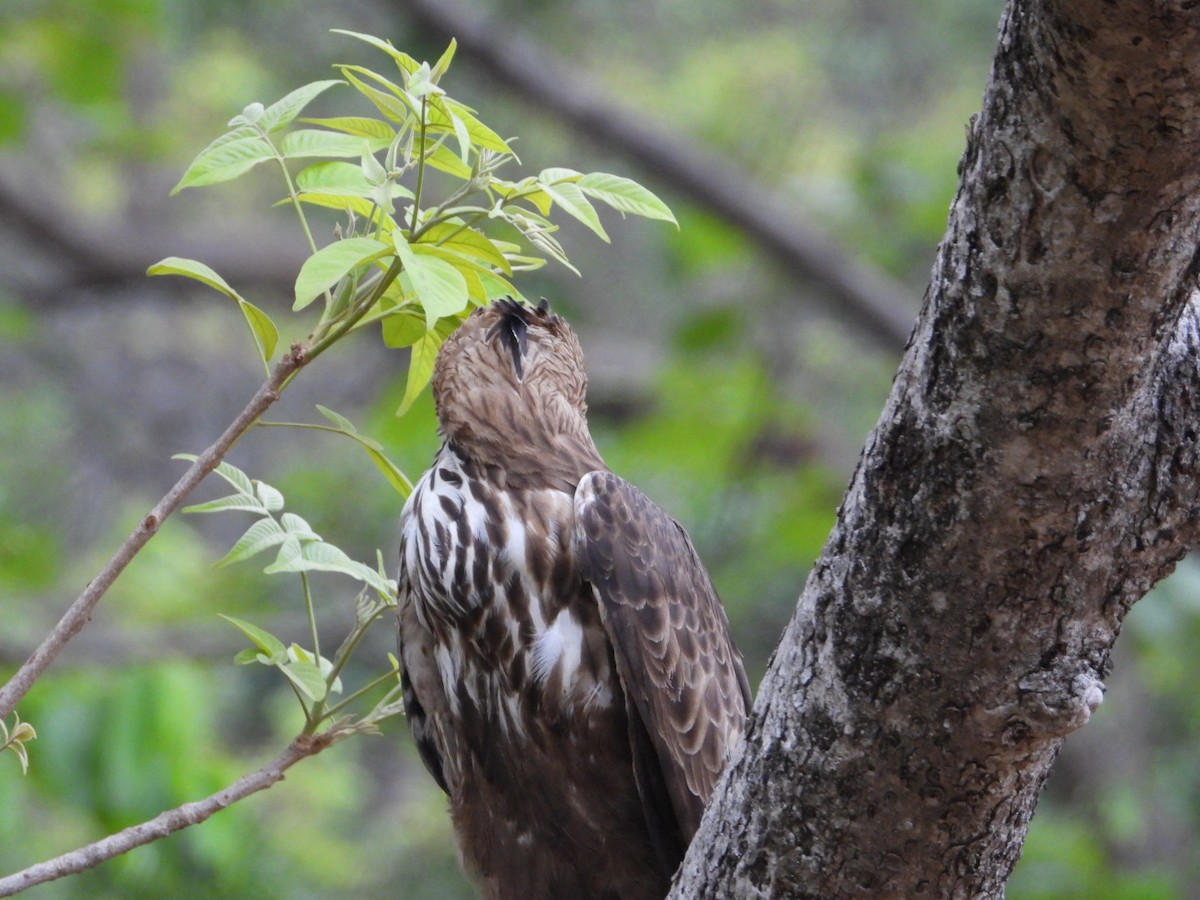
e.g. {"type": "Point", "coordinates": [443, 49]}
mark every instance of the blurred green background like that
{"type": "Point", "coordinates": [731, 390]}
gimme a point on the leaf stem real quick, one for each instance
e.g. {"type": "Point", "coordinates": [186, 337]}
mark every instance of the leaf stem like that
{"type": "Point", "coordinates": [412, 228]}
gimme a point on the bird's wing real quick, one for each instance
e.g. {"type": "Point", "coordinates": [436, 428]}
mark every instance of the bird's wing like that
{"type": "Point", "coordinates": [420, 684]}
{"type": "Point", "coordinates": [670, 636]}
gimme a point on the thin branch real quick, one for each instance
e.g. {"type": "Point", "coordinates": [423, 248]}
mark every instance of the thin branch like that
{"type": "Point", "coordinates": [81, 610]}
{"type": "Point", "coordinates": [857, 293]}
{"type": "Point", "coordinates": [165, 823]}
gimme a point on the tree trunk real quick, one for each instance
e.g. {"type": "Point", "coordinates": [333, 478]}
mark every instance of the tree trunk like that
{"type": "Point", "coordinates": [1031, 476]}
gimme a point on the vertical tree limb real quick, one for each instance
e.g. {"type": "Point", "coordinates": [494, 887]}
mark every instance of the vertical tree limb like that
{"type": "Point", "coordinates": [1033, 474]}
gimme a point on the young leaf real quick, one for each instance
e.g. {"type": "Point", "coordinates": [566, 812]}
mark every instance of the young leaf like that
{"type": "Point", "coordinates": [359, 126]}
{"type": "Point", "coordinates": [325, 267]}
{"type": "Point", "coordinates": [439, 286]}
{"type": "Point", "coordinates": [468, 242]}
{"type": "Point", "coordinates": [396, 478]}
{"type": "Point", "coordinates": [394, 103]}
{"type": "Point", "coordinates": [403, 328]}
{"type": "Point", "coordinates": [312, 142]}
{"type": "Point", "coordinates": [232, 154]}
{"type": "Point", "coordinates": [625, 195]}
{"type": "Point", "coordinates": [420, 368]}
{"type": "Point", "coordinates": [282, 112]}
{"type": "Point", "coordinates": [190, 268]}
{"type": "Point", "coordinates": [334, 177]}
{"type": "Point", "coordinates": [263, 330]}
{"type": "Point", "coordinates": [337, 419]}
{"type": "Point", "coordinates": [263, 640]}
{"type": "Point", "coordinates": [232, 503]}
{"type": "Point", "coordinates": [305, 676]}
{"type": "Point", "coordinates": [406, 63]}
{"type": "Point", "coordinates": [271, 498]}
{"type": "Point", "coordinates": [297, 527]}
{"type": "Point", "coordinates": [262, 535]}
{"type": "Point", "coordinates": [443, 63]}
{"type": "Point", "coordinates": [571, 199]}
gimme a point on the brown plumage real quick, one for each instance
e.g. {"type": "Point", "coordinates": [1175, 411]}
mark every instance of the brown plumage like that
{"type": "Point", "coordinates": [570, 679]}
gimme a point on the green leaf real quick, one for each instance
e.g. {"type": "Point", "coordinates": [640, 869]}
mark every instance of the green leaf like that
{"type": "Point", "coordinates": [405, 62]}
{"type": "Point", "coordinates": [262, 329]}
{"type": "Point", "coordinates": [190, 268]}
{"type": "Point", "coordinates": [266, 335]}
{"type": "Point", "coordinates": [325, 267]}
{"type": "Point", "coordinates": [282, 112]}
{"type": "Point", "coordinates": [403, 328]}
{"type": "Point", "coordinates": [626, 196]}
{"type": "Point", "coordinates": [443, 63]}
{"type": "Point", "coordinates": [337, 419]}
{"type": "Point", "coordinates": [262, 535]}
{"type": "Point", "coordinates": [232, 154]}
{"type": "Point", "coordinates": [393, 103]}
{"type": "Point", "coordinates": [298, 527]}
{"type": "Point", "coordinates": [571, 199]}
{"type": "Point", "coordinates": [263, 640]}
{"type": "Point", "coordinates": [334, 177]}
{"type": "Point", "coordinates": [468, 242]}
{"type": "Point", "coordinates": [312, 142]}
{"type": "Point", "coordinates": [360, 126]}
{"type": "Point", "coordinates": [481, 135]}
{"type": "Point", "coordinates": [271, 498]}
{"type": "Point", "coordinates": [557, 174]}
{"type": "Point", "coordinates": [234, 502]}
{"type": "Point", "coordinates": [395, 477]}
{"type": "Point", "coordinates": [420, 368]}
{"type": "Point", "coordinates": [439, 286]}
{"type": "Point", "coordinates": [306, 677]}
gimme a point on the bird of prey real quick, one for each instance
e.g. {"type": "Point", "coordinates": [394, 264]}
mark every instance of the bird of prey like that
{"type": "Point", "coordinates": [568, 671]}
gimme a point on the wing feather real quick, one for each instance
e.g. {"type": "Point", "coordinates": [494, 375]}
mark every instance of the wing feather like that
{"type": "Point", "coordinates": [670, 635]}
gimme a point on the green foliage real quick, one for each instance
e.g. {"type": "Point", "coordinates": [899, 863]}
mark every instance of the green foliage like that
{"type": "Point", "coordinates": [300, 550]}
{"type": "Point", "coordinates": [434, 259]}
{"type": "Point", "coordinates": [14, 739]}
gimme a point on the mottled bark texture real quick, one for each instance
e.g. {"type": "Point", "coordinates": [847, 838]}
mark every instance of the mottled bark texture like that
{"type": "Point", "coordinates": [1032, 475]}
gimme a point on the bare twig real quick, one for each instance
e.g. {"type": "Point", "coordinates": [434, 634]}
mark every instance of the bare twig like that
{"type": "Point", "coordinates": [168, 822]}
{"type": "Point", "coordinates": [81, 610]}
{"type": "Point", "coordinates": [858, 293]}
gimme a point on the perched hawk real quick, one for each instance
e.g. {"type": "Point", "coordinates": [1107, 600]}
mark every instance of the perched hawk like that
{"type": "Point", "coordinates": [569, 675]}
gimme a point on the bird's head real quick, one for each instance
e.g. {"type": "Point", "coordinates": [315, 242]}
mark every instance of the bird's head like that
{"type": "Point", "coordinates": [511, 380]}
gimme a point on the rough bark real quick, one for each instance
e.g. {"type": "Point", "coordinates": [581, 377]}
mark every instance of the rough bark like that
{"type": "Point", "coordinates": [1030, 478]}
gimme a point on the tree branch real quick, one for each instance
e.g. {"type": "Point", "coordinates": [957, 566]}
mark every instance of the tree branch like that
{"type": "Point", "coordinates": [856, 293]}
{"type": "Point", "coordinates": [81, 610]}
{"type": "Point", "coordinates": [165, 823]}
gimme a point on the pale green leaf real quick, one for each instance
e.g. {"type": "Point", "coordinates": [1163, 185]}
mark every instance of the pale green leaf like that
{"type": "Point", "coordinates": [406, 63]}
{"type": "Point", "coordinates": [190, 268]}
{"type": "Point", "coordinates": [443, 63]}
{"type": "Point", "coordinates": [337, 419]}
{"type": "Point", "coordinates": [311, 142]}
{"type": "Point", "coordinates": [420, 368]}
{"type": "Point", "coordinates": [334, 177]}
{"type": "Point", "coordinates": [306, 677]}
{"type": "Point", "coordinates": [557, 174]}
{"type": "Point", "coordinates": [262, 535]}
{"type": "Point", "coordinates": [282, 112]}
{"type": "Point", "coordinates": [571, 199]}
{"type": "Point", "coordinates": [271, 498]}
{"type": "Point", "coordinates": [403, 328]}
{"type": "Point", "coordinates": [626, 196]}
{"type": "Point", "coordinates": [229, 156]}
{"type": "Point", "coordinates": [325, 267]}
{"type": "Point", "coordinates": [263, 640]}
{"type": "Point", "coordinates": [360, 126]}
{"type": "Point", "coordinates": [298, 527]}
{"type": "Point", "coordinates": [395, 477]}
{"type": "Point", "coordinates": [440, 288]}
{"type": "Point", "coordinates": [266, 335]}
{"type": "Point", "coordinates": [468, 242]}
{"type": "Point", "coordinates": [234, 502]}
